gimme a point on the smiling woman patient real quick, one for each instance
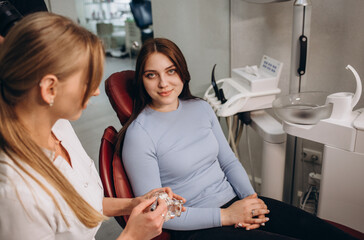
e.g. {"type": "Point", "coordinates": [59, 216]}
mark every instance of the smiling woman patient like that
{"type": "Point", "coordinates": [174, 139]}
{"type": "Point", "coordinates": [162, 83]}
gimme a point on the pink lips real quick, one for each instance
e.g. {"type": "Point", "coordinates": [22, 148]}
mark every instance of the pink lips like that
{"type": "Point", "coordinates": [165, 93]}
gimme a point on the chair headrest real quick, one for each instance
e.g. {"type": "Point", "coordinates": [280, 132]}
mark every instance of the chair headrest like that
{"type": "Point", "coordinates": [117, 88]}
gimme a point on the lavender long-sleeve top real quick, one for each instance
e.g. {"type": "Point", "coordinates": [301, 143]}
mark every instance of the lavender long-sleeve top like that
{"type": "Point", "coordinates": [187, 151]}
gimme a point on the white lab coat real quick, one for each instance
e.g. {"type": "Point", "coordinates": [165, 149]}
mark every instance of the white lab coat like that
{"type": "Point", "coordinates": [27, 211]}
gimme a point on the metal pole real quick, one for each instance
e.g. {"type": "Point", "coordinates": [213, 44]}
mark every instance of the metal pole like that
{"type": "Point", "coordinates": [298, 76]}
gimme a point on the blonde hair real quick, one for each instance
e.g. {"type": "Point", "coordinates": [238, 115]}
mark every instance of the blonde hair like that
{"type": "Point", "coordinates": [40, 44]}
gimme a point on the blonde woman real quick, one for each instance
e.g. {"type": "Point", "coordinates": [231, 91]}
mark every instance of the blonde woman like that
{"type": "Point", "coordinates": [49, 187]}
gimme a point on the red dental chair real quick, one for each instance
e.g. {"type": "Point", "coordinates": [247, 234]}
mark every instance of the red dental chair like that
{"type": "Point", "coordinates": [112, 173]}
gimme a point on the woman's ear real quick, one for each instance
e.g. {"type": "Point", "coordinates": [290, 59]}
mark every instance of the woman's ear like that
{"type": "Point", "coordinates": [48, 88]}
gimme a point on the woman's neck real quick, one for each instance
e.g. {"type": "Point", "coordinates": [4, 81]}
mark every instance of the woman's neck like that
{"type": "Point", "coordinates": [165, 108]}
{"type": "Point", "coordinates": [38, 121]}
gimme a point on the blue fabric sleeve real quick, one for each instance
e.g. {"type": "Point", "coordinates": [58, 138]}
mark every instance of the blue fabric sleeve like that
{"type": "Point", "coordinates": [140, 162]}
{"type": "Point", "coordinates": [231, 166]}
{"type": "Point", "coordinates": [141, 165]}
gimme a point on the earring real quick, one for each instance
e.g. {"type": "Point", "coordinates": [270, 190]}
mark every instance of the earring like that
{"type": "Point", "coordinates": [51, 102]}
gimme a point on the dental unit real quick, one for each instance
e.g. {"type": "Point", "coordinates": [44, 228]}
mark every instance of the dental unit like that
{"type": "Point", "coordinates": [330, 120]}
{"type": "Point", "coordinates": [327, 119]}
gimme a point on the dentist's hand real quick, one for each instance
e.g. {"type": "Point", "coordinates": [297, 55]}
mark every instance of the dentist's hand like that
{"type": "Point", "coordinates": [168, 190]}
{"type": "Point", "coordinates": [144, 224]}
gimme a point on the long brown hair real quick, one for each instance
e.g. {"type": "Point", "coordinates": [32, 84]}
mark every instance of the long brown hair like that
{"type": "Point", "coordinates": [40, 44]}
{"type": "Point", "coordinates": [140, 96]}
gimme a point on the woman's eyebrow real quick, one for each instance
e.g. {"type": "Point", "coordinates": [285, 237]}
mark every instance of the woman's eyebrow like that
{"type": "Point", "coordinates": [149, 71]}
{"type": "Point", "coordinates": [172, 66]}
